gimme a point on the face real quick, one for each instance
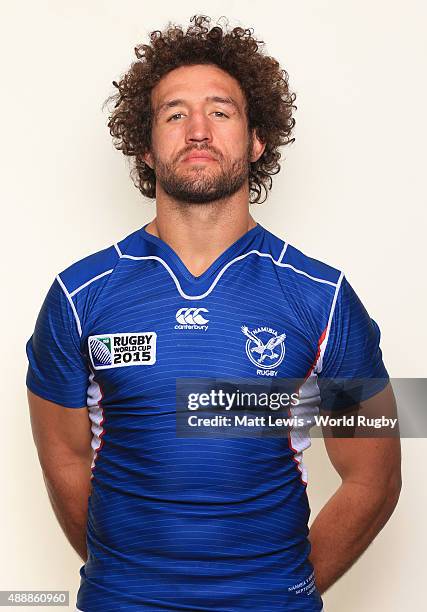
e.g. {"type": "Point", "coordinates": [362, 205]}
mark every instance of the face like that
{"type": "Point", "coordinates": [201, 149]}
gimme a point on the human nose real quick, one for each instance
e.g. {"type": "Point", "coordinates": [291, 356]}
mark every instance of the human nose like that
{"type": "Point", "coordinates": [198, 128]}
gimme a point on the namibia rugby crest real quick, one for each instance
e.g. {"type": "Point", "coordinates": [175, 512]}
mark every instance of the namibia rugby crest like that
{"type": "Point", "coordinates": [264, 347]}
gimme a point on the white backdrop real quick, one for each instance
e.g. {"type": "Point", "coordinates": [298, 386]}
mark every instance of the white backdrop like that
{"type": "Point", "coordinates": [351, 192]}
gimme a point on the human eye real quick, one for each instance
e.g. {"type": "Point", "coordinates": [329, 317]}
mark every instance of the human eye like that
{"type": "Point", "coordinates": [175, 115]}
{"type": "Point", "coordinates": [220, 113]}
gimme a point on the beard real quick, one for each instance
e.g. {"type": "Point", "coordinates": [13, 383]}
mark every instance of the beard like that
{"type": "Point", "coordinates": [202, 184]}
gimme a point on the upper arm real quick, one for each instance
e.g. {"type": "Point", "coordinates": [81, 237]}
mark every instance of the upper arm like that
{"type": "Point", "coordinates": [57, 382]}
{"type": "Point", "coordinates": [57, 368]}
{"type": "Point", "coordinates": [62, 435]}
{"type": "Point", "coordinates": [354, 380]}
{"type": "Point", "coordinates": [370, 457]}
{"type": "Point", "coordinates": [350, 366]}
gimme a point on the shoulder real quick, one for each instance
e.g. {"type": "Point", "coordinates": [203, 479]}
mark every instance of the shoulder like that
{"type": "Point", "coordinates": [297, 263]}
{"type": "Point", "coordinates": [94, 266]}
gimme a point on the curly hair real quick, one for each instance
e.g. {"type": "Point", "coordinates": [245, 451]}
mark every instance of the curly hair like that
{"type": "Point", "coordinates": [269, 102]}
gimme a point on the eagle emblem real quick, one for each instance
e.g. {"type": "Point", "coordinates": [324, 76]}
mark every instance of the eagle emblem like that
{"type": "Point", "coordinates": [264, 346]}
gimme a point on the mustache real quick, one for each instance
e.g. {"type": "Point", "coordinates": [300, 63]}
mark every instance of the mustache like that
{"type": "Point", "coordinates": [206, 148]}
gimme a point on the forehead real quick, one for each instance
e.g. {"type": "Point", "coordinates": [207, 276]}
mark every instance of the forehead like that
{"type": "Point", "coordinates": [196, 82]}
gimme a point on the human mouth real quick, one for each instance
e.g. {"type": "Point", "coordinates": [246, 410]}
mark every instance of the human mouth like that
{"type": "Point", "coordinates": [199, 157]}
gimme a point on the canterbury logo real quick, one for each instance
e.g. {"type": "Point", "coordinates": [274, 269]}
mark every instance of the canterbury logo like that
{"type": "Point", "coordinates": [191, 316]}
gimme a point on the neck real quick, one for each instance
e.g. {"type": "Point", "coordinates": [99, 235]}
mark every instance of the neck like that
{"type": "Point", "coordinates": [199, 233]}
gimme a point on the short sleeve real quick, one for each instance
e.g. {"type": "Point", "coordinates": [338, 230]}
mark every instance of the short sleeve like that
{"type": "Point", "coordinates": [57, 370]}
{"type": "Point", "coordinates": [351, 368]}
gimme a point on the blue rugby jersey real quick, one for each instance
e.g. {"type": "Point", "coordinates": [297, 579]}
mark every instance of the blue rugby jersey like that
{"type": "Point", "coordinates": [216, 525]}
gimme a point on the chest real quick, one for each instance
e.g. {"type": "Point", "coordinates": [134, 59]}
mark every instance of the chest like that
{"type": "Point", "coordinates": [138, 347]}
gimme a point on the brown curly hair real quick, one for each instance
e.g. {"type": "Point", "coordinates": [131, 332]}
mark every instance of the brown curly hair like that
{"type": "Point", "coordinates": [269, 102]}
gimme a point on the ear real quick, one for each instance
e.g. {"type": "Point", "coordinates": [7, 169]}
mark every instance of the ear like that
{"type": "Point", "coordinates": [148, 158]}
{"type": "Point", "coordinates": [258, 147]}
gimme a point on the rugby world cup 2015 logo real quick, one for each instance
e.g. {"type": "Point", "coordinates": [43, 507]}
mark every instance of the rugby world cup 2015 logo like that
{"type": "Point", "coordinates": [100, 349]}
{"type": "Point", "coordinates": [122, 349]}
{"type": "Point", "coordinates": [265, 347]}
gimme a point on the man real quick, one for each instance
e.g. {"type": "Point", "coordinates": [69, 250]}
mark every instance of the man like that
{"type": "Point", "coordinates": [165, 522]}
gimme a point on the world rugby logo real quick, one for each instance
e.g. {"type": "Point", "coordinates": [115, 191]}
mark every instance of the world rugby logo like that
{"type": "Point", "coordinates": [101, 351]}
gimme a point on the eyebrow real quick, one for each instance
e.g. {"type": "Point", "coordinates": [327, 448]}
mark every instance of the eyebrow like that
{"type": "Point", "coordinates": [181, 102]}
